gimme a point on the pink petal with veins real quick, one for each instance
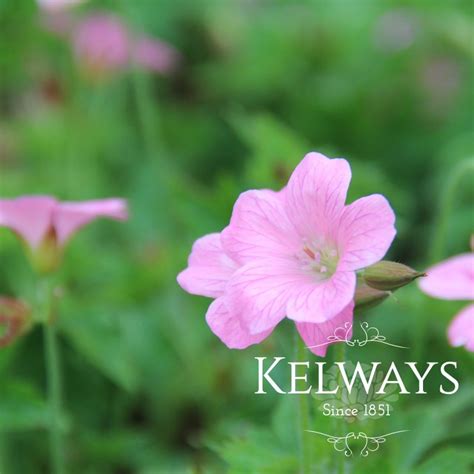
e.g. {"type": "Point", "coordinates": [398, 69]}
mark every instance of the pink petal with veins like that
{"type": "Point", "coordinates": [229, 328]}
{"type": "Point", "coordinates": [315, 335]}
{"type": "Point", "coordinates": [365, 232]}
{"type": "Point", "coordinates": [209, 268]}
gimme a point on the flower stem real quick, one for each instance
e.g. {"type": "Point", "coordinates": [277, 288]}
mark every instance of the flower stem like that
{"type": "Point", "coordinates": [3, 452]}
{"type": "Point", "coordinates": [303, 416]}
{"type": "Point", "coordinates": [54, 389]}
{"type": "Point", "coordinates": [446, 202]}
{"type": "Point", "coordinates": [147, 115]}
{"type": "Point", "coordinates": [340, 356]}
{"type": "Point", "coordinates": [54, 397]}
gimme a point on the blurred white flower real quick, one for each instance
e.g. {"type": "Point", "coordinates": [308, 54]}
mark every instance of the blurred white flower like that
{"type": "Point", "coordinates": [55, 5]}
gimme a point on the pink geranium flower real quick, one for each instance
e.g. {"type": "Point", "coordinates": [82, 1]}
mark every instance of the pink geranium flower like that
{"type": "Point", "coordinates": [45, 224]}
{"type": "Point", "coordinates": [291, 253]}
{"type": "Point", "coordinates": [453, 279]}
{"type": "Point", "coordinates": [103, 43]}
{"type": "Point", "coordinates": [155, 55]}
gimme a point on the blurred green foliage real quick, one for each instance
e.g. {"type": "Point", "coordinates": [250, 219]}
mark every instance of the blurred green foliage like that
{"type": "Point", "coordinates": [149, 389]}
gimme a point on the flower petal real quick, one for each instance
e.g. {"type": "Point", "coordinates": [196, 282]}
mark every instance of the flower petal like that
{"type": "Point", "coordinates": [69, 217]}
{"type": "Point", "coordinates": [101, 43]}
{"type": "Point", "coordinates": [461, 329]}
{"type": "Point", "coordinates": [259, 292]}
{"type": "Point", "coordinates": [316, 193]}
{"type": "Point", "coordinates": [315, 335]}
{"type": "Point", "coordinates": [452, 279]}
{"type": "Point", "coordinates": [365, 232]}
{"type": "Point", "coordinates": [317, 302]}
{"type": "Point", "coordinates": [259, 228]}
{"type": "Point", "coordinates": [229, 328]}
{"type": "Point", "coordinates": [155, 55]}
{"type": "Point", "coordinates": [209, 268]}
{"type": "Point", "coordinates": [30, 217]}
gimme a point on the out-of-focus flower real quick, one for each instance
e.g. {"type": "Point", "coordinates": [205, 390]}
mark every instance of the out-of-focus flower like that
{"type": "Point", "coordinates": [104, 44]}
{"type": "Point", "coordinates": [155, 55]}
{"type": "Point", "coordinates": [396, 30]}
{"type": "Point", "coordinates": [45, 224]}
{"type": "Point", "coordinates": [453, 279]}
{"type": "Point", "coordinates": [291, 253]}
{"type": "Point", "coordinates": [440, 81]}
{"type": "Point", "coordinates": [14, 320]}
{"type": "Point", "coordinates": [58, 5]}
{"type": "Point", "coordinates": [101, 43]}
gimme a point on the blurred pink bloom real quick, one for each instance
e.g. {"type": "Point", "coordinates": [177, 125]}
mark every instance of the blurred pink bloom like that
{"type": "Point", "coordinates": [46, 225]}
{"type": "Point", "coordinates": [155, 55]}
{"type": "Point", "coordinates": [291, 253]}
{"type": "Point", "coordinates": [453, 279]}
{"type": "Point", "coordinates": [58, 22]}
{"type": "Point", "coordinates": [103, 43]}
{"type": "Point", "coordinates": [461, 329]}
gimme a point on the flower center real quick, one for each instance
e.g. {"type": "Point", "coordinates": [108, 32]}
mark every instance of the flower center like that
{"type": "Point", "coordinates": [318, 258]}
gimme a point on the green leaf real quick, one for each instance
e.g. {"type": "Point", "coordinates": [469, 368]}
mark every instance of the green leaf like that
{"type": "Point", "coordinates": [21, 407]}
{"type": "Point", "coordinates": [460, 461]}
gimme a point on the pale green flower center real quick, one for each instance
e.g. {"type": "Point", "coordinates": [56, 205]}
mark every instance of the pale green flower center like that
{"type": "Point", "coordinates": [319, 258]}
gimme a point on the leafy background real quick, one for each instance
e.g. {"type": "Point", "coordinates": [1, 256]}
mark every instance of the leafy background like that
{"type": "Point", "coordinates": [149, 389]}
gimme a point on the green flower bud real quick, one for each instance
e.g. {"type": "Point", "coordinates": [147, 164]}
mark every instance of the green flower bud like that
{"type": "Point", "coordinates": [388, 276]}
{"type": "Point", "coordinates": [367, 297]}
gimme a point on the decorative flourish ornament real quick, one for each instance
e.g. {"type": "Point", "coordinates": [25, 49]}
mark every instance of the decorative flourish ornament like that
{"type": "Point", "coordinates": [371, 443]}
{"type": "Point", "coordinates": [343, 334]}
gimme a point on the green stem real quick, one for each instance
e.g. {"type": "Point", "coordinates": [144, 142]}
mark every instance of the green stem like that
{"type": "Point", "coordinates": [53, 374]}
{"type": "Point", "coordinates": [445, 207]}
{"type": "Point", "coordinates": [146, 114]}
{"type": "Point", "coordinates": [303, 415]}
{"type": "Point", "coordinates": [3, 452]}
{"type": "Point", "coordinates": [54, 398]}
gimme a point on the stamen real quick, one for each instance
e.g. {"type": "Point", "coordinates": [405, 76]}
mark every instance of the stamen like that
{"type": "Point", "coordinates": [309, 252]}
{"type": "Point", "coordinates": [323, 269]}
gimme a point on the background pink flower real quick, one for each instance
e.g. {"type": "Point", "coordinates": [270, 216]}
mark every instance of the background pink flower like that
{"type": "Point", "coordinates": [453, 279]}
{"type": "Point", "coordinates": [46, 224]}
{"type": "Point", "coordinates": [155, 55]}
{"type": "Point", "coordinates": [293, 253]}
{"type": "Point", "coordinates": [103, 43]}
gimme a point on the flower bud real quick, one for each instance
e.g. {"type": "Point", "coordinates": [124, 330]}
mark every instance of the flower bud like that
{"type": "Point", "coordinates": [388, 276]}
{"type": "Point", "coordinates": [14, 320]}
{"type": "Point", "coordinates": [367, 297]}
